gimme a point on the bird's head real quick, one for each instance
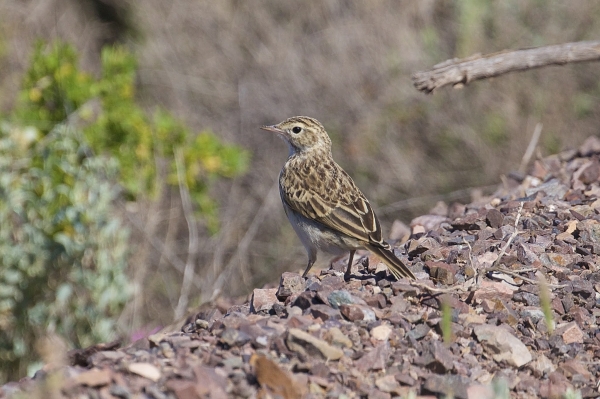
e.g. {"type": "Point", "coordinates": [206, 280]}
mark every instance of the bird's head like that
{"type": "Point", "coordinates": [303, 134]}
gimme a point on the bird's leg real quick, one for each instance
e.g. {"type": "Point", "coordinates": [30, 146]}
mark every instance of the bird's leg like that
{"type": "Point", "coordinates": [311, 262]}
{"type": "Point", "coordinates": [347, 274]}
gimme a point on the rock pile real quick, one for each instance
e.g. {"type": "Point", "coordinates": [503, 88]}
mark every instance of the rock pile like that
{"type": "Point", "coordinates": [507, 298]}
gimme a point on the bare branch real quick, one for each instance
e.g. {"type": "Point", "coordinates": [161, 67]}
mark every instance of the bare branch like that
{"type": "Point", "coordinates": [459, 72]}
{"type": "Point", "coordinates": [190, 264]}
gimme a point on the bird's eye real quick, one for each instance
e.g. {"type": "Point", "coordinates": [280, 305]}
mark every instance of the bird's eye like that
{"type": "Point", "coordinates": [296, 129]}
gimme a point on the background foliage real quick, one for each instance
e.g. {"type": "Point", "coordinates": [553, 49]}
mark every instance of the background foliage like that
{"type": "Point", "coordinates": [63, 249]}
{"type": "Point", "coordinates": [62, 254]}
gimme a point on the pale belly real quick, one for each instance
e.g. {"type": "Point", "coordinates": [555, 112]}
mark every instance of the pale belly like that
{"type": "Point", "coordinates": [316, 236]}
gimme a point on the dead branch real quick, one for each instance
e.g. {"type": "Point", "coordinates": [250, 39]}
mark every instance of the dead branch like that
{"type": "Point", "coordinates": [459, 72]}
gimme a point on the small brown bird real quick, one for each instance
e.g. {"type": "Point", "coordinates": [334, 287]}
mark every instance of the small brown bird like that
{"type": "Point", "coordinates": [321, 201]}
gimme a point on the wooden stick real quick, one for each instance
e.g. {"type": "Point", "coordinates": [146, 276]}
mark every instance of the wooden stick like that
{"type": "Point", "coordinates": [459, 72]}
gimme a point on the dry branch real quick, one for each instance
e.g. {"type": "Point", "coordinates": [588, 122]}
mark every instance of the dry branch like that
{"type": "Point", "coordinates": [459, 72]}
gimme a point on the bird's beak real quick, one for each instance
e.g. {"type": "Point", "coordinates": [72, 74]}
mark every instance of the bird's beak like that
{"type": "Point", "coordinates": [272, 128]}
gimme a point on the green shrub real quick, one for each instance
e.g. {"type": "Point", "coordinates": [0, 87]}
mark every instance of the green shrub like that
{"type": "Point", "coordinates": [54, 88]}
{"type": "Point", "coordinates": [62, 254]}
{"type": "Point", "coordinates": [63, 162]}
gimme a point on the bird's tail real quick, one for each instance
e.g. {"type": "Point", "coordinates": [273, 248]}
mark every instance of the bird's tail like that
{"type": "Point", "coordinates": [395, 265]}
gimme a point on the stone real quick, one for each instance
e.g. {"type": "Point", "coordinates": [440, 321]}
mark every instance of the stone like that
{"type": "Point", "coordinates": [442, 272]}
{"type": "Point", "coordinates": [573, 367]}
{"type": "Point", "coordinates": [289, 284]}
{"type": "Point", "coordinates": [303, 342]}
{"type": "Point", "coordinates": [437, 358]}
{"type": "Point", "coordinates": [381, 333]}
{"type": "Point", "coordinates": [145, 370]}
{"type": "Point", "coordinates": [340, 297]}
{"type": "Point", "coordinates": [336, 337]}
{"type": "Point", "coordinates": [94, 378]}
{"type": "Point", "coordinates": [357, 312]}
{"type": "Point", "coordinates": [399, 231]}
{"type": "Point", "coordinates": [494, 290]}
{"type": "Point", "coordinates": [534, 313]}
{"type": "Point", "coordinates": [387, 384]}
{"type": "Point", "coordinates": [277, 380]}
{"type": "Point", "coordinates": [325, 312]}
{"type": "Point", "coordinates": [494, 218]}
{"type": "Point", "coordinates": [541, 366]}
{"type": "Point", "coordinates": [419, 332]}
{"type": "Point", "coordinates": [479, 391]}
{"type": "Point", "coordinates": [376, 359]}
{"type": "Point", "coordinates": [448, 385]}
{"type": "Point", "coordinates": [263, 299]}
{"type": "Point", "coordinates": [502, 345]}
{"type": "Point", "coordinates": [233, 337]}
{"type": "Point", "coordinates": [570, 332]}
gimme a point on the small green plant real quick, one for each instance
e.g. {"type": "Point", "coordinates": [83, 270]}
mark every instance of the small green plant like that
{"type": "Point", "coordinates": [62, 253]}
{"type": "Point", "coordinates": [545, 304]}
{"type": "Point", "coordinates": [63, 163]}
{"type": "Point", "coordinates": [54, 88]}
{"type": "Point", "coordinates": [446, 323]}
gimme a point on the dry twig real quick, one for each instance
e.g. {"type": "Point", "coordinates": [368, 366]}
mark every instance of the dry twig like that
{"type": "Point", "coordinates": [190, 264]}
{"type": "Point", "coordinates": [459, 72]}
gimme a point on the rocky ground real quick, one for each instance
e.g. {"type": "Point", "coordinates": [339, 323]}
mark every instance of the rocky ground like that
{"type": "Point", "coordinates": [507, 304]}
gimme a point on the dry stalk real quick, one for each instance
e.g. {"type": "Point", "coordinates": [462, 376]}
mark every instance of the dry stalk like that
{"type": "Point", "coordinates": [188, 211]}
{"type": "Point", "coordinates": [459, 72]}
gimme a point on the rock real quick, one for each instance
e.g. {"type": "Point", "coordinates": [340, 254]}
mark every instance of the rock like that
{"type": "Point", "coordinates": [502, 345]}
{"type": "Point", "coordinates": [357, 312]}
{"type": "Point", "coordinates": [340, 297]}
{"type": "Point", "coordinates": [480, 392]}
{"type": "Point", "coordinates": [275, 379]}
{"type": "Point", "coordinates": [541, 366]}
{"type": "Point", "coordinates": [437, 358]}
{"type": "Point", "coordinates": [94, 378]}
{"type": "Point", "coordinates": [573, 367]}
{"type": "Point", "coordinates": [419, 332]}
{"type": "Point", "coordinates": [428, 222]}
{"type": "Point", "coordinates": [381, 333]}
{"type": "Point", "coordinates": [289, 284]}
{"type": "Point", "coordinates": [534, 313]}
{"type": "Point", "coordinates": [302, 342]}
{"type": "Point", "coordinates": [570, 332]}
{"type": "Point", "coordinates": [387, 384]}
{"type": "Point", "coordinates": [583, 288]}
{"type": "Point", "coordinates": [555, 386]}
{"type": "Point", "coordinates": [494, 218]}
{"type": "Point", "coordinates": [145, 370]}
{"type": "Point", "coordinates": [233, 337]}
{"type": "Point", "coordinates": [494, 290]}
{"type": "Point", "coordinates": [304, 299]}
{"type": "Point", "coordinates": [325, 312]}
{"type": "Point", "coordinates": [263, 299]}
{"type": "Point", "coordinates": [448, 385]}
{"type": "Point", "coordinates": [442, 272]}
{"type": "Point", "coordinates": [376, 359]}
{"type": "Point", "coordinates": [399, 231]}
{"type": "Point", "coordinates": [468, 222]}
{"type": "Point", "coordinates": [335, 336]}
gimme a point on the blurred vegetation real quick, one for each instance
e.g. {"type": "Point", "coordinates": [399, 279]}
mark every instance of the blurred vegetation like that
{"type": "Point", "coordinates": [62, 253]}
{"type": "Point", "coordinates": [74, 146]}
{"type": "Point", "coordinates": [54, 88]}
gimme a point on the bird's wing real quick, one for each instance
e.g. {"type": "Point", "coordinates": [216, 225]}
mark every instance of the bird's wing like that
{"type": "Point", "coordinates": [324, 192]}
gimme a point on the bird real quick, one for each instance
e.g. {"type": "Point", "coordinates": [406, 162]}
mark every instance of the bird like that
{"type": "Point", "coordinates": [326, 209]}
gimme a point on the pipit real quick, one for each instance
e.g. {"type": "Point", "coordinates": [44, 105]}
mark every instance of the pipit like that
{"type": "Point", "coordinates": [324, 206]}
